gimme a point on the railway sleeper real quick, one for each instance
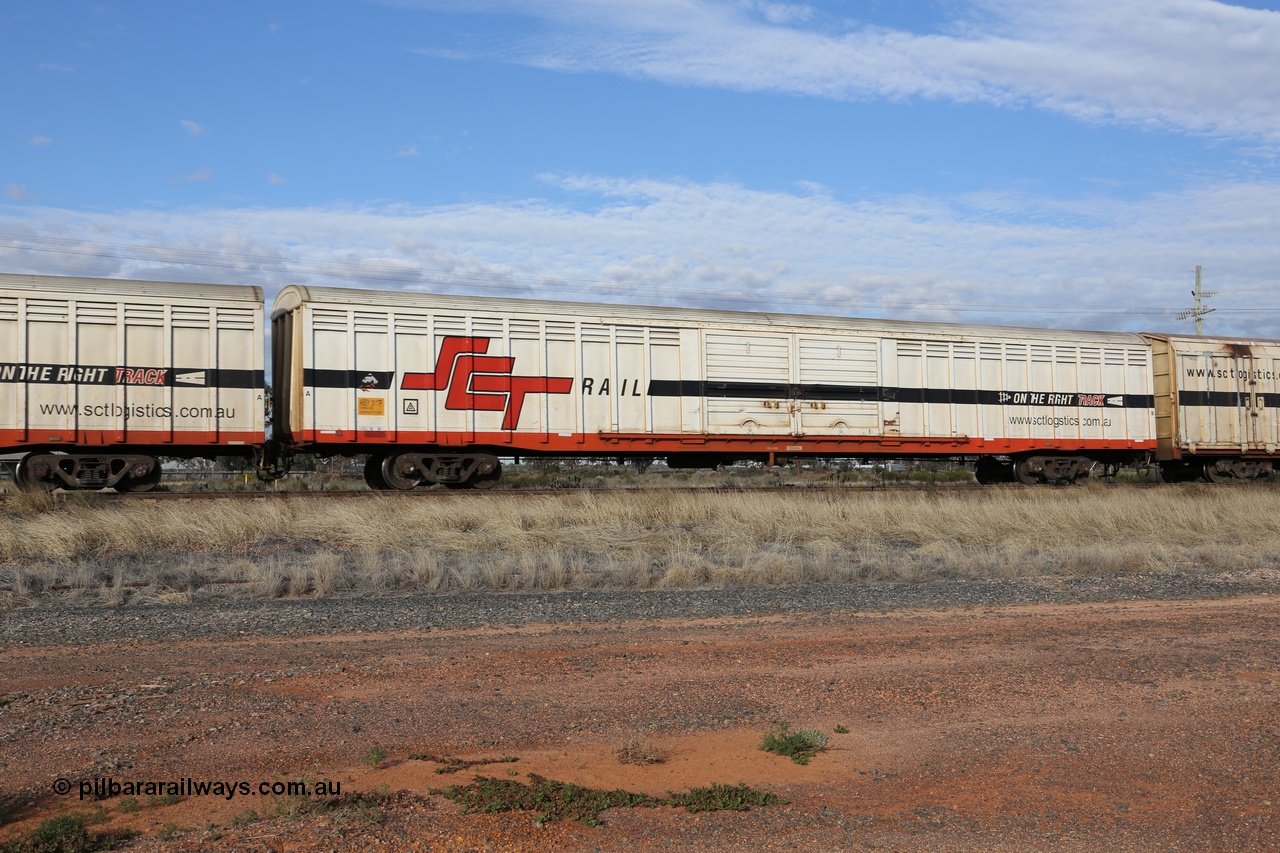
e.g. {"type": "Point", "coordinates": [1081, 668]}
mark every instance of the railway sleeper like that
{"type": "Point", "coordinates": [125, 472]}
{"type": "Point", "coordinates": [410, 470]}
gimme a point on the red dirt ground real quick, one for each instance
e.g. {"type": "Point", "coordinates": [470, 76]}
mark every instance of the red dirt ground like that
{"type": "Point", "coordinates": [1134, 726]}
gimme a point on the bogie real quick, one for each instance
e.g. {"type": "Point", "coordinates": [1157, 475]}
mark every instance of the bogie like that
{"type": "Point", "coordinates": [123, 472]}
{"type": "Point", "coordinates": [1033, 470]}
{"type": "Point", "coordinates": [407, 470]}
{"type": "Point", "coordinates": [1225, 470]}
{"type": "Point", "coordinates": [1217, 470]}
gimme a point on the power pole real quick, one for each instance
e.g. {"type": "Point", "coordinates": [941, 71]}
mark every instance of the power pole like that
{"type": "Point", "coordinates": [1199, 311]}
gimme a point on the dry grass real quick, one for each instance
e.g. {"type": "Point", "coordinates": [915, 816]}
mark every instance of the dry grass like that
{"type": "Point", "coordinates": [88, 550]}
{"type": "Point", "coordinates": [640, 751]}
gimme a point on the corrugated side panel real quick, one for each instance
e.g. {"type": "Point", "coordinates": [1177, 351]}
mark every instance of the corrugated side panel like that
{"type": "Point", "coordinates": [616, 366]}
{"type": "Point", "coordinates": [1139, 420]}
{"type": "Point", "coordinates": [350, 353]}
{"type": "Point", "coordinates": [1270, 411]}
{"type": "Point", "coordinates": [78, 369]}
{"type": "Point", "coordinates": [98, 341]}
{"type": "Point", "coordinates": [1228, 395]}
{"type": "Point", "coordinates": [237, 401]}
{"type": "Point", "coordinates": [12, 394]}
{"type": "Point", "coordinates": [631, 379]}
{"type": "Point", "coordinates": [664, 363]}
{"type": "Point", "coordinates": [49, 405]}
{"type": "Point", "coordinates": [1025, 390]}
{"type": "Point", "coordinates": [839, 378]}
{"type": "Point", "coordinates": [748, 382]}
{"type": "Point", "coordinates": [424, 377]}
{"type": "Point", "coordinates": [327, 351]}
{"type": "Point", "coordinates": [372, 397]}
{"type": "Point", "coordinates": [1205, 376]}
{"type": "Point", "coordinates": [197, 347]}
{"type": "Point", "coordinates": [411, 351]}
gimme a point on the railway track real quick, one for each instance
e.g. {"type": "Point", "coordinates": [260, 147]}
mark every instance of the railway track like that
{"type": "Point", "coordinates": [471, 494]}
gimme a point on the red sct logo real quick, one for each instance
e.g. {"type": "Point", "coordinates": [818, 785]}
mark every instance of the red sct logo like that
{"type": "Point", "coordinates": [480, 382]}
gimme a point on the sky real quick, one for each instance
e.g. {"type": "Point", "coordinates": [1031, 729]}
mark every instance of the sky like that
{"type": "Point", "coordinates": [1014, 162]}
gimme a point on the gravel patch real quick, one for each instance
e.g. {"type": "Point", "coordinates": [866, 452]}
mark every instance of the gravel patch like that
{"type": "Point", "coordinates": [461, 610]}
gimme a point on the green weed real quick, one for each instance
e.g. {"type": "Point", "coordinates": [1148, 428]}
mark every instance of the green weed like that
{"type": "Point", "coordinates": [298, 806]}
{"type": "Point", "coordinates": [733, 798]}
{"type": "Point", "coordinates": [166, 800]}
{"type": "Point", "coordinates": [65, 834]}
{"type": "Point", "coordinates": [453, 765]}
{"type": "Point", "coordinates": [799, 745]}
{"type": "Point", "coordinates": [552, 800]}
{"type": "Point", "coordinates": [8, 808]}
{"type": "Point", "coordinates": [375, 757]}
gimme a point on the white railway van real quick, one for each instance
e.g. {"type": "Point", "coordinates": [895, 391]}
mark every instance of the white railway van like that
{"type": "Point", "coordinates": [438, 387]}
{"type": "Point", "coordinates": [98, 377]}
{"type": "Point", "coordinates": [1217, 406]}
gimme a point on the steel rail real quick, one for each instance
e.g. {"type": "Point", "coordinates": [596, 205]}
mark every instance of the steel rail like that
{"type": "Point", "coordinates": [472, 494]}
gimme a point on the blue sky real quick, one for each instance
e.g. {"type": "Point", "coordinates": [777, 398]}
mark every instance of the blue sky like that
{"type": "Point", "coordinates": [1007, 161]}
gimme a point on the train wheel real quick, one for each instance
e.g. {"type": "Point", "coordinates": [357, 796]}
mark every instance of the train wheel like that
{"type": "Point", "coordinates": [400, 471]}
{"type": "Point", "coordinates": [1215, 474]}
{"type": "Point", "coordinates": [989, 471]}
{"type": "Point", "coordinates": [1028, 471]}
{"type": "Point", "coordinates": [373, 473]}
{"type": "Point", "coordinates": [486, 480]}
{"type": "Point", "coordinates": [28, 477]}
{"type": "Point", "coordinates": [145, 481]}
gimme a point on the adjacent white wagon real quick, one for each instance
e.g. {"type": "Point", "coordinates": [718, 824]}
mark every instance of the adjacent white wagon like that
{"type": "Point", "coordinates": [1217, 406]}
{"type": "Point", "coordinates": [98, 377]}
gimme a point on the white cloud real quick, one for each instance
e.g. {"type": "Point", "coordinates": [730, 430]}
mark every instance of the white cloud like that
{"type": "Point", "coordinates": [57, 66]}
{"type": "Point", "coordinates": [273, 178]}
{"type": "Point", "coordinates": [16, 192]}
{"type": "Point", "coordinates": [996, 257]}
{"type": "Point", "coordinates": [40, 141]}
{"type": "Point", "coordinates": [408, 151]}
{"type": "Point", "coordinates": [198, 176]}
{"type": "Point", "coordinates": [1194, 65]}
{"type": "Point", "coordinates": [778, 13]}
{"type": "Point", "coordinates": [194, 128]}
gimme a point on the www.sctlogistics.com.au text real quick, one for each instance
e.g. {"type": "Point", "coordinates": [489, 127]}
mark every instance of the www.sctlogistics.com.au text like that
{"type": "Point", "coordinates": [99, 788]}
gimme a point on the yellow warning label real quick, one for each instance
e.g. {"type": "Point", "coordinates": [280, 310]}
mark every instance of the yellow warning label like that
{"type": "Point", "coordinates": [372, 406]}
